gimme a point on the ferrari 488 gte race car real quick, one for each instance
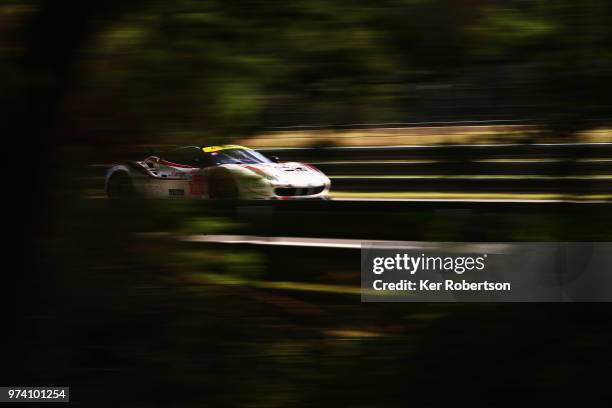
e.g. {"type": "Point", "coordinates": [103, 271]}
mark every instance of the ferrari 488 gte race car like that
{"type": "Point", "coordinates": [216, 172]}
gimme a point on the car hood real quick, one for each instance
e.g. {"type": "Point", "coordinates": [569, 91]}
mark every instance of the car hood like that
{"type": "Point", "coordinates": [288, 173]}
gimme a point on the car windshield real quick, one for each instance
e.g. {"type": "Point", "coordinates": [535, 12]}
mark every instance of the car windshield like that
{"type": "Point", "coordinates": [237, 156]}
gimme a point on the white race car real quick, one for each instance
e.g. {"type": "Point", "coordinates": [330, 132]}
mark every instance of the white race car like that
{"type": "Point", "coordinates": [216, 172]}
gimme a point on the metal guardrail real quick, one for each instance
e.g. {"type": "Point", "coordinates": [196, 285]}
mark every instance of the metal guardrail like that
{"type": "Point", "coordinates": [575, 168]}
{"type": "Point", "coordinates": [485, 168]}
{"type": "Point", "coordinates": [550, 185]}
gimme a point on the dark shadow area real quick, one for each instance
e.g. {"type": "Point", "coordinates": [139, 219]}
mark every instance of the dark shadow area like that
{"type": "Point", "coordinates": [113, 302]}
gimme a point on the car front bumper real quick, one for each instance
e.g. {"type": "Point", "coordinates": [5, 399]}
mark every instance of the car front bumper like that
{"type": "Point", "coordinates": [268, 190]}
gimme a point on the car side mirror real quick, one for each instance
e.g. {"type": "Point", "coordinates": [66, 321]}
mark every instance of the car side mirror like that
{"type": "Point", "coordinates": [275, 159]}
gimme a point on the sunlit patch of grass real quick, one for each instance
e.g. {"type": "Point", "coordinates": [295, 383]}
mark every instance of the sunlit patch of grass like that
{"type": "Point", "coordinates": [541, 160]}
{"type": "Point", "coordinates": [310, 287]}
{"type": "Point", "coordinates": [474, 177]}
{"type": "Point", "coordinates": [428, 135]}
{"type": "Point", "coordinates": [433, 195]}
{"type": "Point", "coordinates": [406, 161]}
{"type": "Point", "coordinates": [353, 333]}
{"type": "Point", "coordinates": [223, 279]}
{"type": "Point", "coordinates": [219, 266]}
{"type": "Point", "coordinates": [393, 136]}
{"type": "Point", "coordinates": [218, 279]}
{"type": "Point", "coordinates": [206, 225]}
{"type": "Point", "coordinates": [234, 280]}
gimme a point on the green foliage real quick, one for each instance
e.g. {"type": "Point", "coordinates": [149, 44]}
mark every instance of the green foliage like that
{"type": "Point", "coordinates": [206, 225]}
{"type": "Point", "coordinates": [210, 70]}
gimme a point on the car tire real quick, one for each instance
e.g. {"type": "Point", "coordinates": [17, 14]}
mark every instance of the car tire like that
{"type": "Point", "coordinates": [120, 186]}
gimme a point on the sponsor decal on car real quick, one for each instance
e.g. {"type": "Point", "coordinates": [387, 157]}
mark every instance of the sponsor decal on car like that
{"type": "Point", "coordinates": [209, 149]}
